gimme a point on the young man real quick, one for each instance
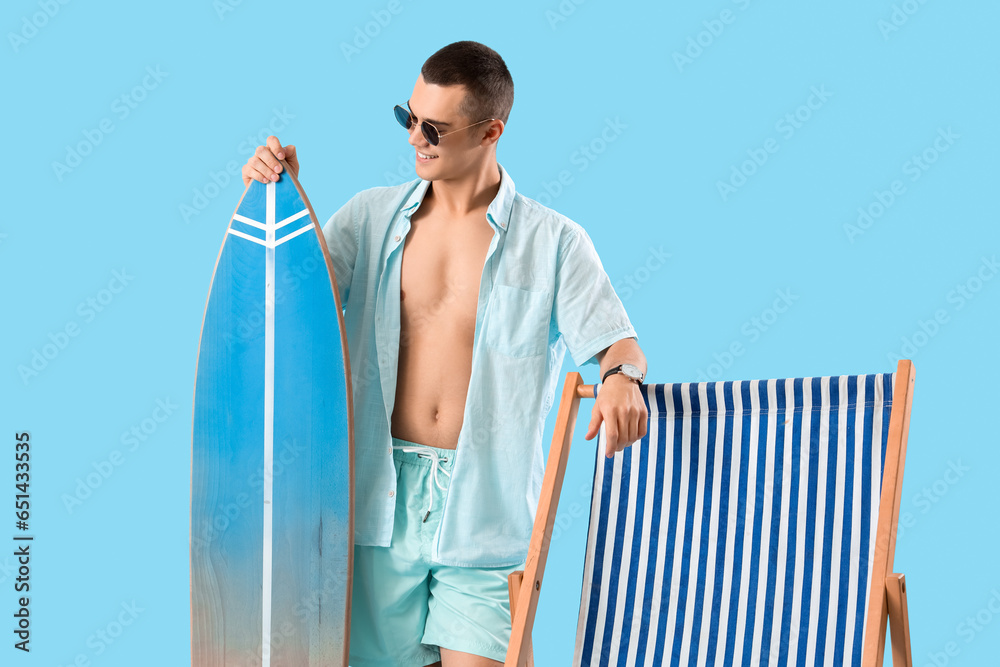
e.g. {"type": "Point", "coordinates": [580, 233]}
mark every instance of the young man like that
{"type": "Point", "coordinates": [461, 297]}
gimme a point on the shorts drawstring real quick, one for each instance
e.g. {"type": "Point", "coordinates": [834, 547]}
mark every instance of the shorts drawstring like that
{"type": "Point", "coordinates": [428, 453]}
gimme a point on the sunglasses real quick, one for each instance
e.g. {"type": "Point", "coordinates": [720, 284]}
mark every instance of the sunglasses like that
{"type": "Point", "coordinates": [431, 134]}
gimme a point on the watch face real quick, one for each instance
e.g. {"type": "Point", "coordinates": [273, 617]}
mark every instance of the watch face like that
{"type": "Point", "coordinates": [632, 371]}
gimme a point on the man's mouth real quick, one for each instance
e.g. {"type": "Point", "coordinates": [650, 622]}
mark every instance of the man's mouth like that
{"type": "Point", "coordinates": [425, 157]}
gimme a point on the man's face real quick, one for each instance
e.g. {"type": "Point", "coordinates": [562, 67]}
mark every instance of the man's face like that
{"type": "Point", "coordinates": [456, 154]}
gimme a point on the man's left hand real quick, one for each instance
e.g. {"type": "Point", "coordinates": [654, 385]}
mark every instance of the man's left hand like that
{"type": "Point", "coordinates": [620, 406]}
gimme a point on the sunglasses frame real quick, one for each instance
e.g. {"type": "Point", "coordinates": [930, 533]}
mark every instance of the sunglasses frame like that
{"type": "Point", "coordinates": [425, 127]}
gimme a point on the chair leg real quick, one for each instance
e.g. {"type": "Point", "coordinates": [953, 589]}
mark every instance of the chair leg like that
{"type": "Point", "coordinates": [514, 589]}
{"type": "Point", "coordinates": [899, 620]}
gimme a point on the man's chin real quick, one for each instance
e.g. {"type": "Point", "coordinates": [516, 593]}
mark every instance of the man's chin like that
{"type": "Point", "coordinates": [425, 171]}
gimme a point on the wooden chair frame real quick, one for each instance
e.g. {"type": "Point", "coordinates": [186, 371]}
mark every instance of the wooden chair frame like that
{"type": "Point", "coordinates": [887, 596]}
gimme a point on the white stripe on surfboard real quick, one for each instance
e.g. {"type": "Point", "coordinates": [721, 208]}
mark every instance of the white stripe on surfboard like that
{"type": "Point", "coordinates": [248, 221]}
{"type": "Point", "coordinates": [246, 236]}
{"type": "Point", "coordinates": [288, 237]}
{"type": "Point", "coordinates": [291, 218]}
{"type": "Point", "coordinates": [268, 424]}
{"type": "Point", "coordinates": [270, 243]}
{"type": "Point", "coordinates": [276, 225]}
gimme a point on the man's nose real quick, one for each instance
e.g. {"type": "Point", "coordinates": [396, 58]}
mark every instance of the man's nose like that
{"type": "Point", "coordinates": [417, 138]}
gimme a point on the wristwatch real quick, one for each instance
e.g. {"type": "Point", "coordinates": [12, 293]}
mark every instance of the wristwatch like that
{"type": "Point", "coordinates": [628, 370]}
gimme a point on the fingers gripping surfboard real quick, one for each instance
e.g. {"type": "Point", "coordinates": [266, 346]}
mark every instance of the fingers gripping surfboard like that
{"type": "Point", "coordinates": [272, 500]}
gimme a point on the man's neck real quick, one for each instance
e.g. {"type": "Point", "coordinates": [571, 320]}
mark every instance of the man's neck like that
{"type": "Point", "coordinates": [458, 198]}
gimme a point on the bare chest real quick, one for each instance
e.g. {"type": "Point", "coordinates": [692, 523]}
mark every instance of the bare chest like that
{"type": "Point", "coordinates": [441, 271]}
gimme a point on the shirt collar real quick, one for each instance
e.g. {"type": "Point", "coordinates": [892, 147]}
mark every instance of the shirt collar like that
{"type": "Point", "coordinates": [498, 212]}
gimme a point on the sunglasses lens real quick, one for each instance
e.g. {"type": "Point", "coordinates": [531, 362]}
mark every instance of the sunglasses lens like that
{"type": "Point", "coordinates": [406, 120]}
{"type": "Point", "coordinates": [402, 116]}
{"type": "Point", "coordinates": [430, 133]}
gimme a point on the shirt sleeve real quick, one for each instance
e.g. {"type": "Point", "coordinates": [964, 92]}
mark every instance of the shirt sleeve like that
{"type": "Point", "coordinates": [341, 234]}
{"type": "Point", "coordinates": [587, 311]}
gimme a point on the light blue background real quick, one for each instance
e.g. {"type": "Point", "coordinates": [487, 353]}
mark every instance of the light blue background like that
{"type": "Point", "coordinates": [653, 189]}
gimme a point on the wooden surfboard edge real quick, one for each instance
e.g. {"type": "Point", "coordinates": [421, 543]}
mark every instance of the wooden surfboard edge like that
{"type": "Point", "coordinates": [194, 402]}
{"type": "Point", "coordinates": [350, 391]}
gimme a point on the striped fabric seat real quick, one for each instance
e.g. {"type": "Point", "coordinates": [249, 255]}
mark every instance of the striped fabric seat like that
{"type": "Point", "coordinates": [740, 530]}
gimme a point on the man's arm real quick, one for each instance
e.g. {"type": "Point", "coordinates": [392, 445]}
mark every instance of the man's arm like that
{"type": "Point", "coordinates": [619, 403]}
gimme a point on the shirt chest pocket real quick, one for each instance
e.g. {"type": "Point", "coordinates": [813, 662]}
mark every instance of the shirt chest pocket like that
{"type": "Point", "coordinates": [518, 321]}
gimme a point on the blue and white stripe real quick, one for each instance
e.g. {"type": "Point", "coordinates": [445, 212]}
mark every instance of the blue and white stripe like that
{"type": "Point", "coordinates": [740, 530]}
{"type": "Point", "coordinates": [270, 242]}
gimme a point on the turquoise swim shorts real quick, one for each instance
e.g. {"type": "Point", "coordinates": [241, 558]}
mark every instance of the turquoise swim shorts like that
{"type": "Point", "coordinates": [404, 605]}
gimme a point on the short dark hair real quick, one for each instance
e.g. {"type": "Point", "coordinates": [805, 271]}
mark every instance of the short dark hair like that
{"type": "Point", "coordinates": [489, 86]}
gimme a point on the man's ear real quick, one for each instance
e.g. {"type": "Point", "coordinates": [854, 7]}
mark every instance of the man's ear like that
{"type": "Point", "coordinates": [493, 132]}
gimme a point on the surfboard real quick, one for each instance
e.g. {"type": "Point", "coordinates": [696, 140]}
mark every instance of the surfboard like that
{"type": "Point", "coordinates": [272, 501]}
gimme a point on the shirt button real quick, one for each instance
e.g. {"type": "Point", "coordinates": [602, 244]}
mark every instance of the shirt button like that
{"type": "Point", "coordinates": [397, 238]}
{"type": "Point", "coordinates": [392, 493]}
{"type": "Point", "coordinates": [503, 224]}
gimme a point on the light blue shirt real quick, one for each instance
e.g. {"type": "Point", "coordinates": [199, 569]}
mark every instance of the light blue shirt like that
{"type": "Point", "coordinates": [542, 289]}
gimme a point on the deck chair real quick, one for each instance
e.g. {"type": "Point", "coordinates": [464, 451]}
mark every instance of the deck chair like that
{"type": "Point", "coordinates": [754, 524]}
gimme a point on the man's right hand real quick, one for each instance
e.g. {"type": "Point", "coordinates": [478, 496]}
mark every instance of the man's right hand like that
{"type": "Point", "coordinates": [263, 165]}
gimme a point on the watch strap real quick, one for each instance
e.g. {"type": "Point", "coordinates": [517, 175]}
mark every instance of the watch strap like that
{"type": "Point", "coordinates": [612, 371]}
{"type": "Point", "coordinates": [620, 368]}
